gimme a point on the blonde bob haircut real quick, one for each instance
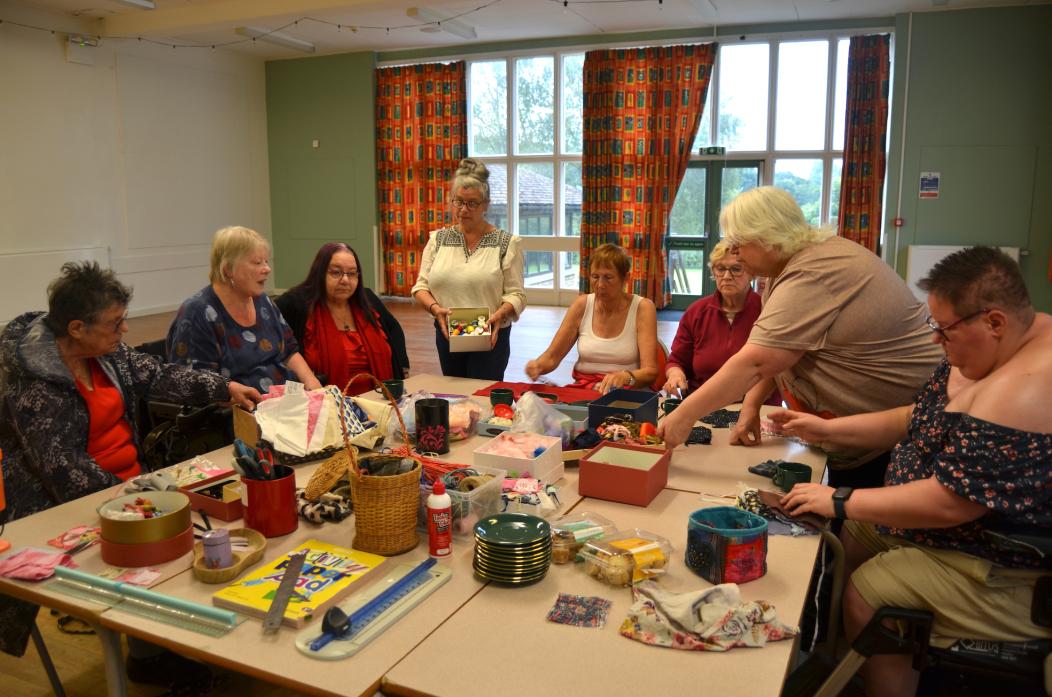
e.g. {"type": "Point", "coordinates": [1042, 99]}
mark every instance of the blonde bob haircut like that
{"type": "Point", "coordinates": [611, 256]}
{"type": "Point", "coordinates": [771, 217]}
{"type": "Point", "coordinates": [229, 246]}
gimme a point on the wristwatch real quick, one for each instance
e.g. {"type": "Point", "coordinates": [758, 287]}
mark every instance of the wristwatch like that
{"type": "Point", "coordinates": [631, 378]}
{"type": "Point", "coordinates": [840, 497]}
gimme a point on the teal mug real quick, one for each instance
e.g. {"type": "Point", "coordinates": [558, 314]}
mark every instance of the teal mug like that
{"type": "Point", "coordinates": [501, 395]}
{"type": "Point", "coordinates": [395, 387]}
{"type": "Point", "coordinates": [789, 474]}
{"type": "Point", "coordinates": [670, 404]}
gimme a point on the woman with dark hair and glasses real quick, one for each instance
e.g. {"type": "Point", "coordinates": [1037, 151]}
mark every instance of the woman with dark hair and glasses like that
{"type": "Point", "coordinates": [715, 327]}
{"type": "Point", "coordinates": [342, 327]}
{"type": "Point", "coordinates": [472, 264]}
{"type": "Point", "coordinates": [70, 393]}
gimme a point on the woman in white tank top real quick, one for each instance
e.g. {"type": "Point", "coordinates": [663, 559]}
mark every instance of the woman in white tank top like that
{"type": "Point", "coordinates": [615, 331]}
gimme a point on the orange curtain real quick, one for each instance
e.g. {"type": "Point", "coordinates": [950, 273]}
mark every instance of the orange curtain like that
{"type": "Point", "coordinates": [421, 135]}
{"type": "Point", "coordinates": [642, 108]}
{"type": "Point", "coordinates": [865, 139]}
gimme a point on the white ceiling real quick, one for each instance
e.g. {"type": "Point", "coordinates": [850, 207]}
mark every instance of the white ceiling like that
{"type": "Point", "coordinates": [382, 25]}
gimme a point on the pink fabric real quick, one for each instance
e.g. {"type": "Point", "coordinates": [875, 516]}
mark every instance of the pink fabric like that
{"type": "Point", "coordinates": [33, 564]}
{"type": "Point", "coordinates": [315, 399]}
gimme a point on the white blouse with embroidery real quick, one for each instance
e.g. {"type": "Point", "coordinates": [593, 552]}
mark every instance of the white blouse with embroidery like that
{"type": "Point", "coordinates": [486, 277]}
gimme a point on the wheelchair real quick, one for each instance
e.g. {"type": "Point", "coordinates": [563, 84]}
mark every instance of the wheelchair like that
{"type": "Point", "coordinates": [968, 667]}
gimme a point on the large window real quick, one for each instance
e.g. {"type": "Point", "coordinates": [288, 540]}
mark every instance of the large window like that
{"type": "Point", "coordinates": [526, 125]}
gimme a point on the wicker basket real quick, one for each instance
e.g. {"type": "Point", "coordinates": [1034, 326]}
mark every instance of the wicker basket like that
{"type": "Point", "coordinates": [384, 507]}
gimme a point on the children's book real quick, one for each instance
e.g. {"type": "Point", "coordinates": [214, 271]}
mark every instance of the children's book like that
{"type": "Point", "coordinates": [329, 571]}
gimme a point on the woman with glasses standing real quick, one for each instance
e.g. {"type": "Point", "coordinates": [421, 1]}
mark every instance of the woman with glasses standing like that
{"type": "Point", "coordinates": [472, 264]}
{"type": "Point", "coordinates": [230, 326]}
{"type": "Point", "coordinates": [342, 327]}
{"type": "Point", "coordinates": [839, 331]}
{"type": "Point", "coordinates": [715, 327]}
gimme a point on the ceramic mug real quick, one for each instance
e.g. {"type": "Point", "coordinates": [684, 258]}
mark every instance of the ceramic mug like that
{"type": "Point", "coordinates": [501, 395]}
{"type": "Point", "coordinates": [670, 404]}
{"type": "Point", "coordinates": [395, 387]}
{"type": "Point", "coordinates": [788, 474]}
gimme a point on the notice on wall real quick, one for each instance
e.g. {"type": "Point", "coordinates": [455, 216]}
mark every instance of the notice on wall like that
{"type": "Point", "coordinates": [929, 184]}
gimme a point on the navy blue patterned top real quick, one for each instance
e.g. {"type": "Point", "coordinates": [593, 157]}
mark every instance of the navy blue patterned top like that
{"type": "Point", "coordinates": [204, 336]}
{"type": "Point", "coordinates": [1008, 471]}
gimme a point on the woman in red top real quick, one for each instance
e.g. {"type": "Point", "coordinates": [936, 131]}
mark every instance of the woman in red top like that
{"type": "Point", "coordinates": [715, 327]}
{"type": "Point", "coordinates": [342, 327]}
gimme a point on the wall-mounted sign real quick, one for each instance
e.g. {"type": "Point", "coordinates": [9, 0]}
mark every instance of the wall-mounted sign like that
{"type": "Point", "coordinates": [929, 184]}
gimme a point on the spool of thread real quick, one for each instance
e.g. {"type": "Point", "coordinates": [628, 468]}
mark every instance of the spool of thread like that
{"type": "Point", "coordinates": [217, 549]}
{"type": "Point", "coordinates": [472, 483]}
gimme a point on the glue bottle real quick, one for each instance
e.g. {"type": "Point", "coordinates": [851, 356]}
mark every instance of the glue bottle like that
{"type": "Point", "coordinates": [439, 521]}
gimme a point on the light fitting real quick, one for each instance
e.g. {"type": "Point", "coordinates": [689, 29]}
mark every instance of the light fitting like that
{"type": "Point", "coordinates": [143, 4]}
{"type": "Point", "coordinates": [277, 38]}
{"type": "Point", "coordinates": [453, 26]}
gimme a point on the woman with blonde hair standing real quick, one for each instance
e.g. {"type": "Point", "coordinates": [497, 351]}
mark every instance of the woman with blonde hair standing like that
{"type": "Point", "coordinates": [472, 264]}
{"type": "Point", "coordinates": [230, 326]}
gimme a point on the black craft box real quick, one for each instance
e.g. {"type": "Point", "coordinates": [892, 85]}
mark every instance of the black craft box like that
{"type": "Point", "coordinates": [640, 405]}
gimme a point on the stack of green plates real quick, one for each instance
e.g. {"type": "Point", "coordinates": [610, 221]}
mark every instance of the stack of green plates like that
{"type": "Point", "coordinates": [512, 548]}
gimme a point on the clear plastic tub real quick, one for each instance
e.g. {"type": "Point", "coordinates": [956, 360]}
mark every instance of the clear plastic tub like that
{"type": "Point", "coordinates": [571, 532]}
{"type": "Point", "coordinates": [625, 557]}
{"type": "Point", "coordinates": [468, 507]}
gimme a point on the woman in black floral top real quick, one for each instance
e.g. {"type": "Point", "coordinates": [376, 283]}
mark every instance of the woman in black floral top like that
{"type": "Point", "coordinates": [973, 461]}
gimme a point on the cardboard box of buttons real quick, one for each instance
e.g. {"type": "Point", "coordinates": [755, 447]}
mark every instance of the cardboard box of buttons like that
{"type": "Point", "coordinates": [459, 343]}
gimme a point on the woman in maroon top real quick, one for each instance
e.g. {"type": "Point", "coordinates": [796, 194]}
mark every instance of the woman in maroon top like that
{"type": "Point", "coordinates": [715, 327]}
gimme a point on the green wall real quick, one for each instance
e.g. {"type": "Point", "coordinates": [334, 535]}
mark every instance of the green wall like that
{"type": "Point", "coordinates": [327, 193]}
{"type": "Point", "coordinates": [977, 111]}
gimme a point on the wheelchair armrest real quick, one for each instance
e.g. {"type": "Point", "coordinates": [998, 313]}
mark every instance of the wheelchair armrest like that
{"type": "Point", "coordinates": [910, 637]}
{"type": "Point", "coordinates": [191, 418]}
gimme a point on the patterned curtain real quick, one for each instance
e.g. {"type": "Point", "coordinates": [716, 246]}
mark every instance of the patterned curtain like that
{"type": "Point", "coordinates": [421, 135]}
{"type": "Point", "coordinates": [642, 108]}
{"type": "Point", "coordinates": [862, 181]}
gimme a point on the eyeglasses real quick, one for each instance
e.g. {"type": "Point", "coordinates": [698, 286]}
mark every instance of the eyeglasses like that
{"type": "Point", "coordinates": [470, 205]}
{"type": "Point", "coordinates": [941, 331]}
{"type": "Point", "coordinates": [735, 271]}
{"type": "Point", "coordinates": [115, 327]}
{"type": "Point", "coordinates": [337, 275]}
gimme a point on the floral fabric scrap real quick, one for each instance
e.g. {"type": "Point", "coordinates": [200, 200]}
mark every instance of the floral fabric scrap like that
{"type": "Point", "coordinates": [580, 610]}
{"type": "Point", "coordinates": [712, 619]}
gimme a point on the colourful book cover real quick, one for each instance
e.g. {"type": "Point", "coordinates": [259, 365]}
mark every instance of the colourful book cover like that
{"type": "Point", "coordinates": [329, 571]}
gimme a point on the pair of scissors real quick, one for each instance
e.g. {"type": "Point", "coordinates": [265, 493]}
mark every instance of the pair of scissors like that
{"type": "Point", "coordinates": [245, 461]}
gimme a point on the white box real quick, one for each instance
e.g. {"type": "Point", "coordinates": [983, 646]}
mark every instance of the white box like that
{"type": "Point", "coordinates": [473, 342]}
{"type": "Point", "coordinates": [548, 466]}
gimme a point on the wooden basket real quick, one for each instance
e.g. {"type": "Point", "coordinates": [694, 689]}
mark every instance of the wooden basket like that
{"type": "Point", "coordinates": [385, 508]}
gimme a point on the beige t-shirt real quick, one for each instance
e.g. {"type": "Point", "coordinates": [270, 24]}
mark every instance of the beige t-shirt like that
{"type": "Point", "coordinates": [865, 342]}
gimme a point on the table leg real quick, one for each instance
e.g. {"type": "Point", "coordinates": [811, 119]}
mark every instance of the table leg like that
{"type": "Point", "coordinates": [113, 656]}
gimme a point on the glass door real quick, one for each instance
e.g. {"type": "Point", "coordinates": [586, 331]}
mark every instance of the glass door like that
{"type": "Point", "coordinates": [707, 186]}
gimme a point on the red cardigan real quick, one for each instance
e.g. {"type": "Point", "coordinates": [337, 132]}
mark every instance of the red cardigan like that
{"type": "Point", "coordinates": [704, 340]}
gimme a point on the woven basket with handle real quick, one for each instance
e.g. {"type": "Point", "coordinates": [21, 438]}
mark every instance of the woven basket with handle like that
{"type": "Point", "coordinates": [384, 507]}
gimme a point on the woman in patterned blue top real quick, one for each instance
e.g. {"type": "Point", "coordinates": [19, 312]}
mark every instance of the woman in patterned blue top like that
{"type": "Point", "coordinates": [231, 327]}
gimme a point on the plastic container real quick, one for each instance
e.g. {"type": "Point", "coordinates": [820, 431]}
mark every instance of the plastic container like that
{"type": "Point", "coordinates": [469, 507]}
{"type": "Point", "coordinates": [439, 522]}
{"type": "Point", "coordinates": [625, 557]}
{"type": "Point", "coordinates": [217, 551]}
{"type": "Point", "coordinates": [571, 532]}
{"type": "Point", "coordinates": [726, 544]}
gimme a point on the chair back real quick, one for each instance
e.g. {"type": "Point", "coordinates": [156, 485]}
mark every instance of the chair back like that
{"type": "Point", "coordinates": [662, 361]}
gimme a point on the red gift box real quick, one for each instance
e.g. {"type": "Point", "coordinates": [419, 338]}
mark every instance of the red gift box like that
{"type": "Point", "coordinates": [632, 474]}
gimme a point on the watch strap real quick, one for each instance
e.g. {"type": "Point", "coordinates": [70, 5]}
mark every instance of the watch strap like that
{"type": "Point", "coordinates": [840, 497]}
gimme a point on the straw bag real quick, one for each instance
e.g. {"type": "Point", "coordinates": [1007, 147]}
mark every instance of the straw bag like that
{"type": "Point", "coordinates": [384, 507]}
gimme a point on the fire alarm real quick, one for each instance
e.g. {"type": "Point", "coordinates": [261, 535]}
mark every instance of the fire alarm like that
{"type": "Point", "coordinates": [898, 222]}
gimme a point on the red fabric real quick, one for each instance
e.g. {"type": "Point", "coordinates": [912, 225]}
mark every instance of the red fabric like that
{"type": "Point", "coordinates": [421, 135]}
{"type": "Point", "coordinates": [566, 395]}
{"type": "Point", "coordinates": [110, 441]}
{"type": "Point", "coordinates": [325, 348]}
{"type": "Point", "coordinates": [862, 180]}
{"type": "Point", "coordinates": [704, 340]}
{"type": "Point", "coordinates": [586, 381]}
{"type": "Point", "coordinates": [642, 108]}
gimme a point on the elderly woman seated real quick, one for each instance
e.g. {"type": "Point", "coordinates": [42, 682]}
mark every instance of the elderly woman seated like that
{"type": "Point", "coordinates": [615, 331]}
{"type": "Point", "coordinates": [715, 327]}
{"type": "Point", "coordinates": [231, 327]}
{"type": "Point", "coordinates": [342, 326]}
{"type": "Point", "coordinates": [70, 392]}
{"type": "Point", "coordinates": [974, 459]}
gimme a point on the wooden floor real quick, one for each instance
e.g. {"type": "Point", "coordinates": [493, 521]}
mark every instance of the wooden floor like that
{"type": "Point", "coordinates": [78, 659]}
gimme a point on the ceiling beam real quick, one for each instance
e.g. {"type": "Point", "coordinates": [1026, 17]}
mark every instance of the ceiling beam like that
{"type": "Point", "coordinates": [184, 18]}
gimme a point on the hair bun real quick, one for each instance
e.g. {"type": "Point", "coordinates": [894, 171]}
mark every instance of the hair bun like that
{"type": "Point", "coordinates": [470, 167]}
